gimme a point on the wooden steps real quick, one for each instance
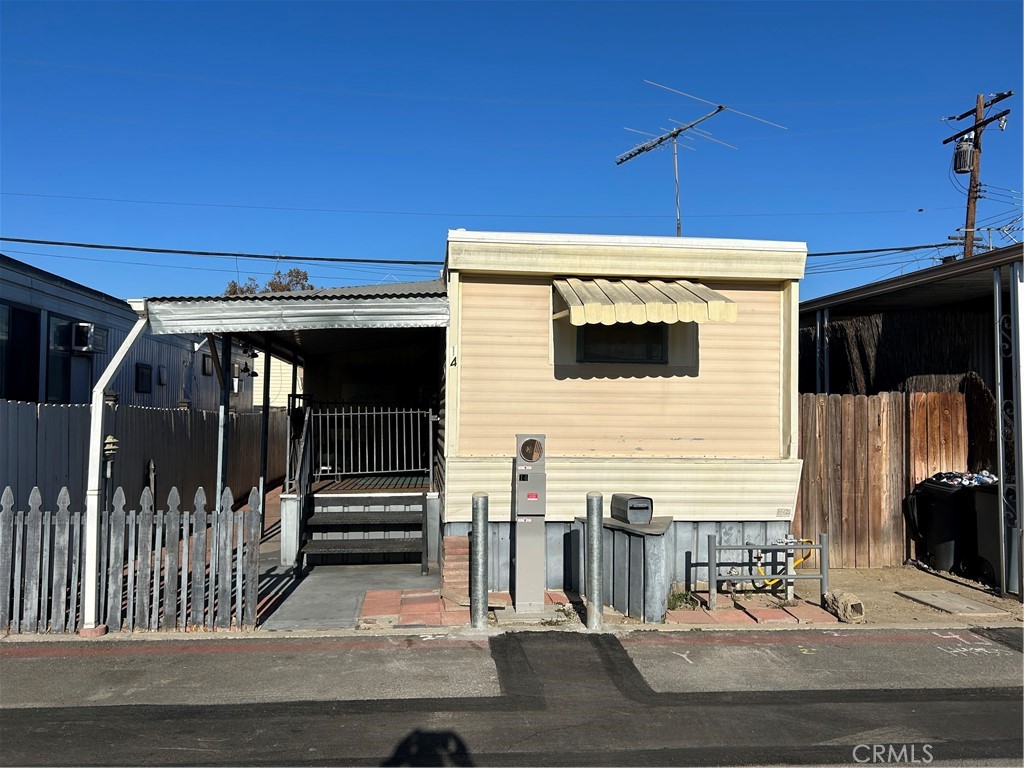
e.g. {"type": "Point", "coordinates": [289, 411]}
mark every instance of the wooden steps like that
{"type": "Point", "coordinates": [360, 546]}
{"type": "Point", "coordinates": [349, 519]}
{"type": "Point", "coordinates": [358, 526]}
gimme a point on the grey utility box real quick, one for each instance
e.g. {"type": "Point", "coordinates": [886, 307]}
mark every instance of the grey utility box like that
{"type": "Point", "coordinates": [635, 510]}
{"type": "Point", "coordinates": [529, 483]}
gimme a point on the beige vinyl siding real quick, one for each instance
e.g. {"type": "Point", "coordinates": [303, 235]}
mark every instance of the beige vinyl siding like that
{"type": "Point", "coordinates": [508, 382]}
{"type": "Point", "coordinates": [685, 489]}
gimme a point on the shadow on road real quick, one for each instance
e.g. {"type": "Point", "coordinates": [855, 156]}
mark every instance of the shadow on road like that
{"type": "Point", "coordinates": [274, 589]}
{"type": "Point", "coordinates": [430, 748]}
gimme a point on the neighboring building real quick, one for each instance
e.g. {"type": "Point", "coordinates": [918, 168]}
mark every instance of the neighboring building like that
{"type": "Point", "coordinates": [280, 378]}
{"type": "Point", "coordinates": [933, 330]}
{"type": "Point", "coordinates": [57, 337]}
{"type": "Point", "coordinates": [955, 327]}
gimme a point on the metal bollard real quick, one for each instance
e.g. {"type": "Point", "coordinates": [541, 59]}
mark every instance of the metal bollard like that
{"type": "Point", "coordinates": [595, 564]}
{"type": "Point", "coordinates": [790, 584]}
{"type": "Point", "coordinates": [478, 563]}
{"type": "Point", "coordinates": [823, 565]}
{"type": "Point", "coordinates": [712, 572]}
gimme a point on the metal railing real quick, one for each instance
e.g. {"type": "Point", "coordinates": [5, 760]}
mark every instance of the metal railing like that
{"type": "Point", "coordinates": [347, 439]}
{"type": "Point", "coordinates": [779, 571]}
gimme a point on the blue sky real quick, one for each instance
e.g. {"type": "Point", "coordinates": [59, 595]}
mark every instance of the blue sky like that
{"type": "Point", "coordinates": [399, 121]}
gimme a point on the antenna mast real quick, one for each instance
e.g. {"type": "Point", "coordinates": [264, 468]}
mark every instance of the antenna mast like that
{"type": "Point", "coordinates": [656, 142]}
{"type": "Point", "coordinates": [674, 134]}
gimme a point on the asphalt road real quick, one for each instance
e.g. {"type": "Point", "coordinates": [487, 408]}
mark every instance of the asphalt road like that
{"type": "Point", "coordinates": [527, 698]}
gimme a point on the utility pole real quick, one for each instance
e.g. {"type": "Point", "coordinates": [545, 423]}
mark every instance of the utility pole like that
{"type": "Point", "coordinates": [973, 134]}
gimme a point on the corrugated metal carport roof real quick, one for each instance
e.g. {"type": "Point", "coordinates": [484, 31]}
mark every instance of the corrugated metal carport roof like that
{"type": "Point", "coordinates": [286, 321]}
{"type": "Point", "coordinates": [940, 286]}
{"type": "Point", "coordinates": [424, 288]}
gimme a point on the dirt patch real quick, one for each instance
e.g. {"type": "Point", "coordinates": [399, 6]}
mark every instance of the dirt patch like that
{"type": "Point", "coordinates": [877, 588]}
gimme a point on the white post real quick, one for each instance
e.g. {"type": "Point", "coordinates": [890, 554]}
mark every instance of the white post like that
{"type": "Point", "coordinates": [264, 435]}
{"type": "Point", "coordinates": [90, 579]}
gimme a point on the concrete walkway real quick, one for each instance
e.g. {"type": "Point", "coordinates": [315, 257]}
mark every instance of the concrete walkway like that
{"type": "Point", "coordinates": [382, 598]}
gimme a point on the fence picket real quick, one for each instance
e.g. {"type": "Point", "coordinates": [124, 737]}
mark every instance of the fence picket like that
{"type": "Point", "coordinates": [239, 538]}
{"type": "Point", "coordinates": [144, 586]}
{"type": "Point", "coordinates": [104, 557]}
{"type": "Point", "coordinates": [59, 584]}
{"type": "Point", "coordinates": [898, 476]}
{"type": "Point", "coordinates": [877, 416]}
{"type": "Point", "coordinates": [199, 561]}
{"type": "Point", "coordinates": [175, 500]}
{"type": "Point", "coordinates": [169, 615]}
{"type": "Point", "coordinates": [19, 569]}
{"type": "Point", "coordinates": [44, 574]}
{"type": "Point", "coordinates": [158, 561]}
{"type": "Point", "coordinates": [223, 526]}
{"type": "Point", "coordinates": [75, 534]}
{"type": "Point", "coordinates": [115, 563]}
{"type": "Point", "coordinates": [133, 567]}
{"type": "Point", "coordinates": [33, 544]}
{"type": "Point", "coordinates": [6, 557]}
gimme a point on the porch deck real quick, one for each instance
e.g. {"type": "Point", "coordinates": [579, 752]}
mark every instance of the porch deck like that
{"type": "Point", "coordinates": [368, 485]}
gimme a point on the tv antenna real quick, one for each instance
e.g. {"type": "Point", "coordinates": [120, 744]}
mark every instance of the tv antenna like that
{"type": "Point", "coordinates": [673, 135]}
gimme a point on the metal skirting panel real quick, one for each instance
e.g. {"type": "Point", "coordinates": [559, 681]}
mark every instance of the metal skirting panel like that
{"type": "Point", "coordinates": [566, 540]}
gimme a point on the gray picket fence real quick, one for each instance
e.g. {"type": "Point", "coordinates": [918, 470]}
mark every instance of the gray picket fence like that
{"type": "Point", "coordinates": [172, 570]}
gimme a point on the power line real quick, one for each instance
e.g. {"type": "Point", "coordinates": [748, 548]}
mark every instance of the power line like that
{"type": "Point", "coordinates": [272, 257]}
{"type": "Point", "coordinates": [382, 262]}
{"type": "Point", "coordinates": [895, 249]}
{"type": "Point", "coordinates": [373, 272]}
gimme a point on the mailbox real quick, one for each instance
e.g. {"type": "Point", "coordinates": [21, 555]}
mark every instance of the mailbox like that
{"type": "Point", "coordinates": [529, 499]}
{"type": "Point", "coordinates": [636, 510]}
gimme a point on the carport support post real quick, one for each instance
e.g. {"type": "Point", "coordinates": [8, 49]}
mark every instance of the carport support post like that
{"type": "Point", "coordinates": [264, 439]}
{"type": "Point", "coordinates": [478, 563]}
{"type": "Point", "coordinates": [223, 420]}
{"type": "Point", "coordinates": [595, 565]}
{"type": "Point", "coordinates": [90, 578]}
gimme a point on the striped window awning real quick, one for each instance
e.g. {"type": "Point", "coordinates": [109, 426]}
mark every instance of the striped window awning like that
{"type": "Point", "coordinates": [607, 302]}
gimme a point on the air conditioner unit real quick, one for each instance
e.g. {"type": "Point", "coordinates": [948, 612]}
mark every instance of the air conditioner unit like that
{"type": "Point", "coordinates": [82, 337]}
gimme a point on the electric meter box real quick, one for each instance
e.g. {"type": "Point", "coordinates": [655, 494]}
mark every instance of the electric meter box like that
{"type": "Point", "coordinates": [636, 510]}
{"type": "Point", "coordinates": [529, 494]}
{"type": "Point", "coordinates": [530, 479]}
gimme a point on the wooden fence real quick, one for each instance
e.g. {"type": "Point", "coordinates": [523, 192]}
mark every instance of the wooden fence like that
{"type": "Point", "coordinates": [46, 446]}
{"type": "Point", "coordinates": [862, 455]}
{"type": "Point", "coordinates": [183, 570]}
